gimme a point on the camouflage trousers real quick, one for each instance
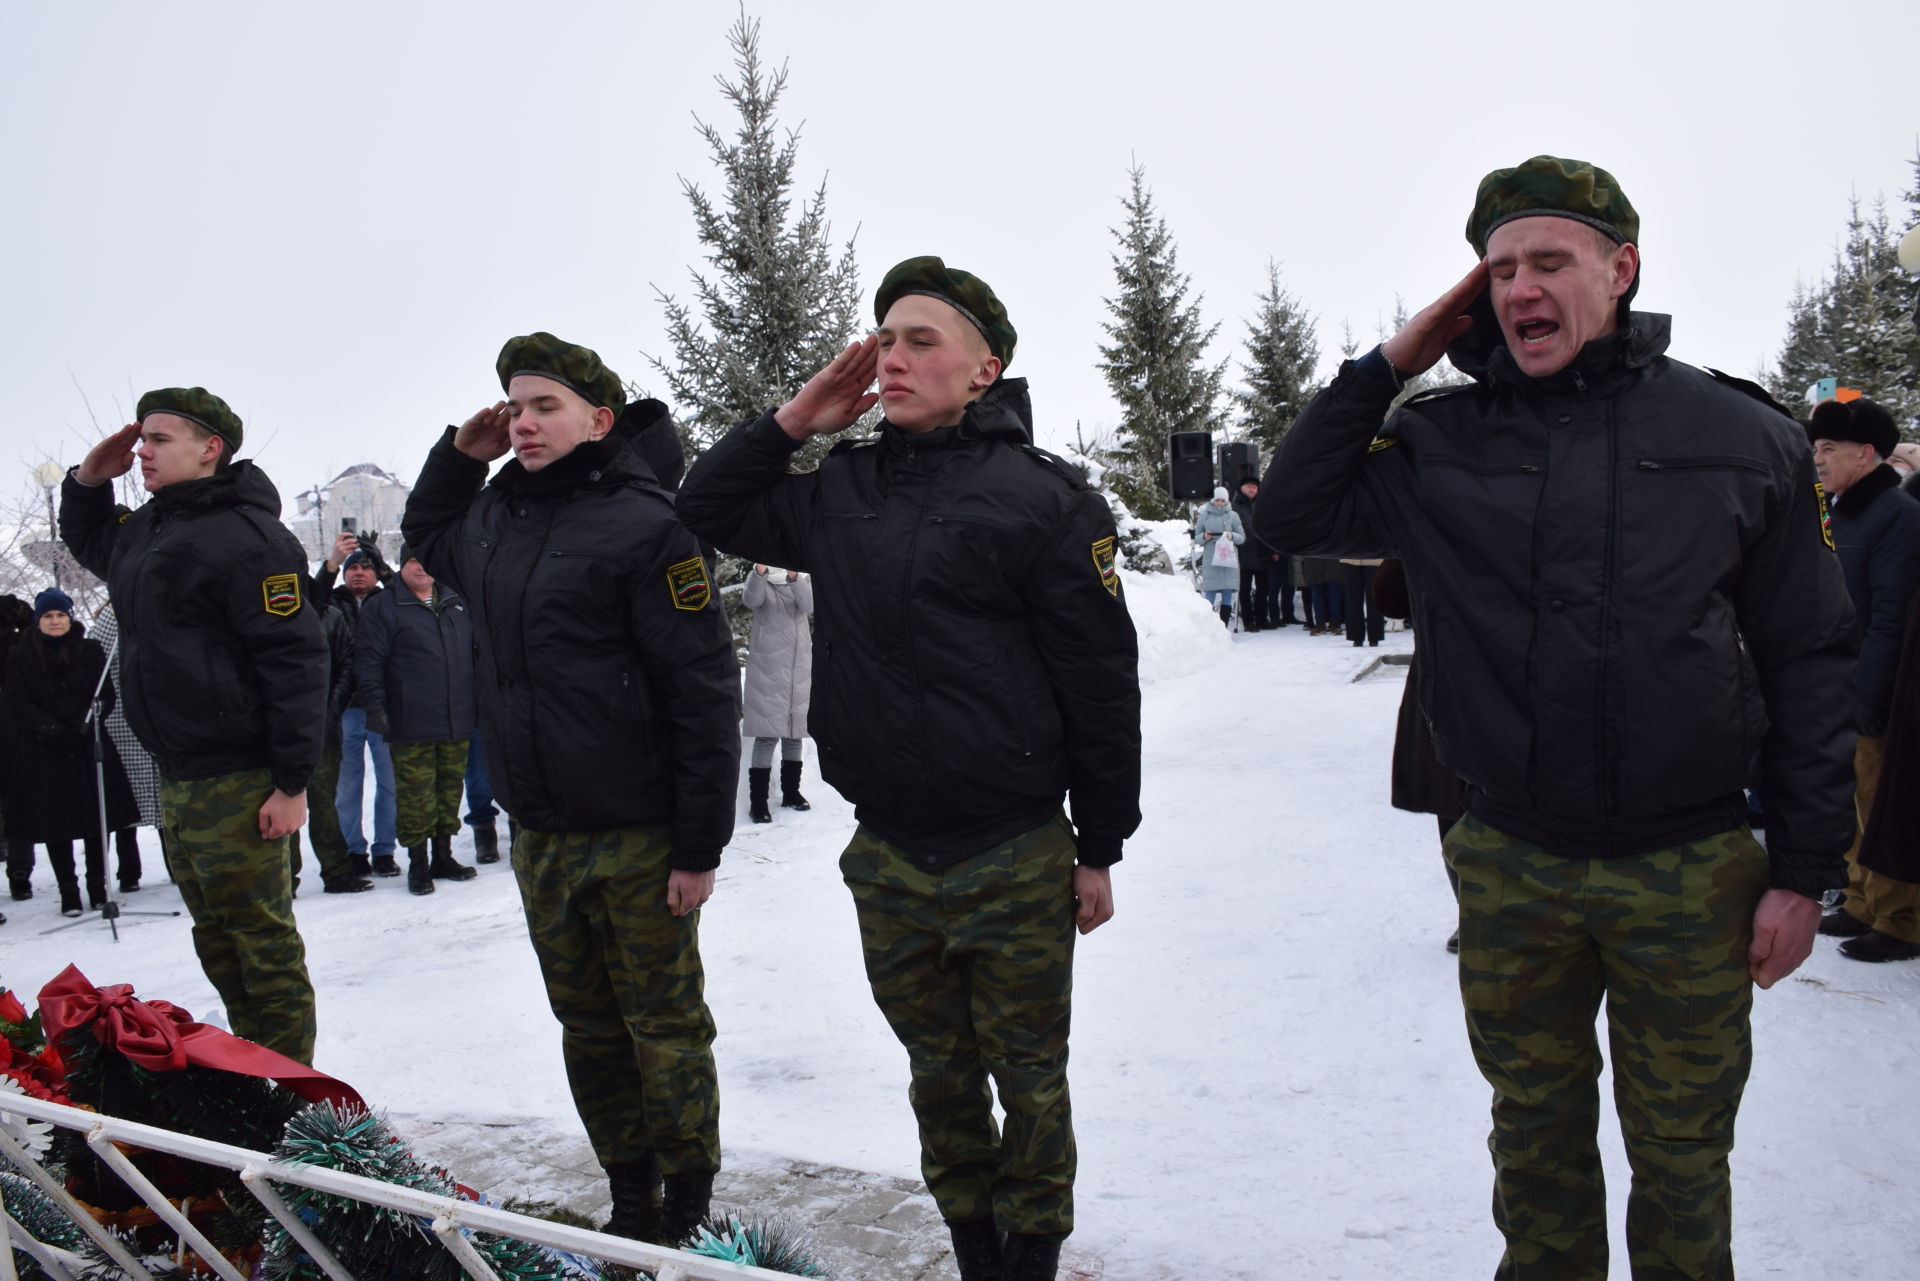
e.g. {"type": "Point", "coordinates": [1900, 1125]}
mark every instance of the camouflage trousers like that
{"type": "Point", "coordinates": [623, 976]}
{"type": "Point", "coordinates": [1662, 938]}
{"type": "Point", "coordinates": [1874, 898]}
{"type": "Point", "coordinates": [239, 891]}
{"type": "Point", "coordinates": [323, 822]}
{"type": "Point", "coordinates": [427, 781]}
{"type": "Point", "coordinates": [972, 966]}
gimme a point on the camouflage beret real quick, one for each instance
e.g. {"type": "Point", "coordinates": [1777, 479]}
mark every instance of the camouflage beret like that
{"type": "Point", "coordinates": [198, 404]}
{"type": "Point", "coordinates": [1549, 185]}
{"type": "Point", "coordinates": [965, 292]}
{"type": "Point", "coordinates": [568, 364]}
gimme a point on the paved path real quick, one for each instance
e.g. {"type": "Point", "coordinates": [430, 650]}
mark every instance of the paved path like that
{"type": "Point", "coordinates": [869, 1227]}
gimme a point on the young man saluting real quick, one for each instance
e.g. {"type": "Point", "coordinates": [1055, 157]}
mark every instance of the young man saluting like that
{"type": "Point", "coordinates": [974, 664]}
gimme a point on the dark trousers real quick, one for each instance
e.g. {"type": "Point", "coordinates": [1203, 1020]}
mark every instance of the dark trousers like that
{"type": "Point", "coordinates": [1280, 584]}
{"type": "Point", "coordinates": [1254, 607]}
{"type": "Point", "coordinates": [1324, 604]}
{"type": "Point", "coordinates": [1364, 620]}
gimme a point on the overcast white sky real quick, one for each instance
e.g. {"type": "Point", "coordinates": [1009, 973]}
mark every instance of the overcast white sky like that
{"type": "Point", "coordinates": [334, 214]}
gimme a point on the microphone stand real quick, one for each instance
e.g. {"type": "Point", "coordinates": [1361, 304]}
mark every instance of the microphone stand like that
{"type": "Point", "coordinates": [96, 721]}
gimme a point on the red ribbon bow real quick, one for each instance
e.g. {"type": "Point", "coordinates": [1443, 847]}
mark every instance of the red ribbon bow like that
{"type": "Point", "coordinates": [161, 1036]}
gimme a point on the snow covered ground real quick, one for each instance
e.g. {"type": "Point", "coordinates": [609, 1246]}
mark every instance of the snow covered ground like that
{"type": "Point", "coordinates": [1270, 1075]}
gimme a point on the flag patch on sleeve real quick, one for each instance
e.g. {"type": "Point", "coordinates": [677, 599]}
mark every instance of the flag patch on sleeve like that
{"type": "Point", "coordinates": [281, 592]}
{"type": "Point", "coordinates": [1103, 557]}
{"type": "Point", "coordinates": [688, 584]}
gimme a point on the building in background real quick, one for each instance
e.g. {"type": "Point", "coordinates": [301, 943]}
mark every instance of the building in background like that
{"type": "Point", "coordinates": [363, 499]}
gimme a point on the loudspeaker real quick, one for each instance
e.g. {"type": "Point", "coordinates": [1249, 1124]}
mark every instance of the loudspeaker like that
{"type": "Point", "coordinates": [1190, 465]}
{"type": "Point", "coordinates": [1239, 460]}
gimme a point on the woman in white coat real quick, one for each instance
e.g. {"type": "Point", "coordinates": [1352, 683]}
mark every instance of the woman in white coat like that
{"type": "Point", "coordinates": [779, 680]}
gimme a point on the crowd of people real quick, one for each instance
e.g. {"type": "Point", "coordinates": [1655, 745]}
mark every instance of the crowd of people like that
{"type": "Point", "coordinates": [1633, 600]}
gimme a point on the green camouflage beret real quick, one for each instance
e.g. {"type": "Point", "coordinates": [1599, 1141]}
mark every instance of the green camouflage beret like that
{"type": "Point", "coordinates": [198, 404]}
{"type": "Point", "coordinates": [1549, 185]}
{"type": "Point", "coordinates": [965, 292]}
{"type": "Point", "coordinates": [566, 363]}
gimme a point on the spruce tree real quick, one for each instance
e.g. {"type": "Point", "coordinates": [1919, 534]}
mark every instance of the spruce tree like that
{"type": "Point", "coordinates": [1157, 364]}
{"type": "Point", "coordinates": [779, 303]}
{"type": "Point", "coordinates": [1282, 356]}
{"type": "Point", "coordinates": [1857, 323]}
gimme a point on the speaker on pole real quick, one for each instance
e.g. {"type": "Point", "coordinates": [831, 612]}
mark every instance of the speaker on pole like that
{"type": "Point", "coordinates": [1239, 460]}
{"type": "Point", "coordinates": [1190, 465]}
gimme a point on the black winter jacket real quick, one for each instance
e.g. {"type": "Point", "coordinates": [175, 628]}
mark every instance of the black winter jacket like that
{"type": "Point", "coordinates": [336, 625]}
{"type": "Point", "coordinates": [413, 666]}
{"type": "Point", "coordinates": [609, 693]}
{"type": "Point", "coordinates": [223, 662]}
{"type": "Point", "coordinates": [1876, 531]}
{"type": "Point", "coordinates": [51, 793]}
{"type": "Point", "coordinates": [1627, 606]}
{"type": "Point", "coordinates": [974, 660]}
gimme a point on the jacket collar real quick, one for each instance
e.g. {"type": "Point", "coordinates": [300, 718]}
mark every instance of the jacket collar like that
{"type": "Point", "coordinates": [1869, 487]}
{"type": "Point", "coordinates": [1481, 353]}
{"type": "Point", "coordinates": [242, 484]}
{"type": "Point", "coordinates": [606, 463]}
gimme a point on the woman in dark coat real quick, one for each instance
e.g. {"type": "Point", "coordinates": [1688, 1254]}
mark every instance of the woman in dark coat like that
{"type": "Point", "coordinates": [51, 674]}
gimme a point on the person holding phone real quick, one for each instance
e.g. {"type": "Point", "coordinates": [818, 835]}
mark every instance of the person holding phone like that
{"type": "Point", "coordinates": [1627, 596]}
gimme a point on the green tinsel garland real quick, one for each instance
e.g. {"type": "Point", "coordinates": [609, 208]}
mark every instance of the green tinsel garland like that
{"type": "Point", "coordinates": [42, 1217]}
{"type": "Point", "coordinates": [373, 1242]}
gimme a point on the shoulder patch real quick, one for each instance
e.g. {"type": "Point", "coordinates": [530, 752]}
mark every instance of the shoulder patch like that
{"type": "Point", "coordinates": [1748, 388]}
{"type": "Point", "coordinates": [1381, 443]}
{"type": "Point", "coordinates": [847, 446]}
{"type": "Point", "coordinates": [281, 594]}
{"type": "Point", "coordinates": [1826, 515]}
{"type": "Point", "coordinates": [688, 584]}
{"type": "Point", "coordinates": [1103, 557]}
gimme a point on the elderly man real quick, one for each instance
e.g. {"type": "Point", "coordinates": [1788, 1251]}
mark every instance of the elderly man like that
{"type": "Point", "coordinates": [610, 699]}
{"type": "Point", "coordinates": [1876, 531]}
{"type": "Point", "coordinates": [1622, 584]}
{"type": "Point", "coordinates": [975, 663]}
{"type": "Point", "coordinates": [225, 682]}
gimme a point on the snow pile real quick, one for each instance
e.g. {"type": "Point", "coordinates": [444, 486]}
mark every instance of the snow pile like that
{"type": "Point", "coordinates": [1179, 634]}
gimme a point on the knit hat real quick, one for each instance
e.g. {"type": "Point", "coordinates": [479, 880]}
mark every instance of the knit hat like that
{"type": "Point", "coordinates": [359, 556]}
{"type": "Point", "coordinates": [1860, 421]}
{"type": "Point", "coordinates": [52, 598]}
{"type": "Point", "coordinates": [199, 405]}
{"type": "Point", "coordinates": [1220, 494]}
{"type": "Point", "coordinates": [569, 364]}
{"type": "Point", "coordinates": [1908, 453]}
{"type": "Point", "coordinates": [963, 291]}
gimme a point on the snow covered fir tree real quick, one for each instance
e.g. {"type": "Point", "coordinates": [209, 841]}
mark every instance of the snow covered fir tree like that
{"type": "Point", "coordinates": [1280, 367]}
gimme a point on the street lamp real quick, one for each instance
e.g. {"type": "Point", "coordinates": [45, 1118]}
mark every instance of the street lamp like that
{"type": "Point", "coordinates": [49, 475]}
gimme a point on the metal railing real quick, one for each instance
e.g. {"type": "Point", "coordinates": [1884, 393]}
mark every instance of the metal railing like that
{"type": "Point", "coordinates": [451, 1220]}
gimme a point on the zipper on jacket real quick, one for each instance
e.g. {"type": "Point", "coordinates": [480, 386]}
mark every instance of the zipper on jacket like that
{"type": "Point", "coordinates": [1579, 383]}
{"type": "Point", "coordinates": [1701, 460]}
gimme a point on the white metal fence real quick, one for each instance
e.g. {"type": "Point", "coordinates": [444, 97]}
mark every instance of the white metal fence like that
{"type": "Point", "coordinates": [450, 1220]}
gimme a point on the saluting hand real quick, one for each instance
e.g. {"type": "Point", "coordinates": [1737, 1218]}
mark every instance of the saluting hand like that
{"type": "Point", "coordinates": [834, 398]}
{"type": "Point", "coordinates": [111, 458]}
{"type": "Point", "coordinates": [1418, 347]}
{"type": "Point", "coordinates": [483, 437]}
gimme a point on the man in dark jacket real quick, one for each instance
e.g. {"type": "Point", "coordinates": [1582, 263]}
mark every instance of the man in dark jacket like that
{"type": "Point", "coordinates": [413, 664]}
{"type": "Point", "coordinates": [609, 695]}
{"type": "Point", "coordinates": [1258, 592]}
{"type": "Point", "coordinates": [339, 873]}
{"type": "Point", "coordinates": [1625, 597]}
{"type": "Point", "coordinates": [225, 673]}
{"type": "Point", "coordinates": [974, 663]}
{"type": "Point", "coordinates": [362, 574]}
{"type": "Point", "coordinates": [1876, 531]}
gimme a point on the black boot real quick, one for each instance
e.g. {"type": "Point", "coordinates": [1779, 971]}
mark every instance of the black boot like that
{"type": "Point", "coordinates": [486, 844]}
{"type": "Point", "coordinates": [790, 797]}
{"type": "Point", "coordinates": [348, 884]}
{"type": "Point", "coordinates": [70, 900]}
{"type": "Point", "coordinates": [22, 888]}
{"type": "Point", "coordinates": [444, 866]}
{"type": "Point", "coordinates": [976, 1249]}
{"type": "Point", "coordinates": [1226, 616]}
{"type": "Point", "coordinates": [384, 865]}
{"type": "Point", "coordinates": [362, 865]}
{"type": "Point", "coordinates": [419, 872]}
{"type": "Point", "coordinates": [1033, 1256]}
{"type": "Point", "coordinates": [684, 1201]}
{"type": "Point", "coordinates": [758, 781]}
{"type": "Point", "coordinates": [636, 1201]}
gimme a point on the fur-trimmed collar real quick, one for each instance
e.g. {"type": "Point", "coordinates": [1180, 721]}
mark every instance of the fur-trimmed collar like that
{"type": "Point", "coordinates": [1869, 487]}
